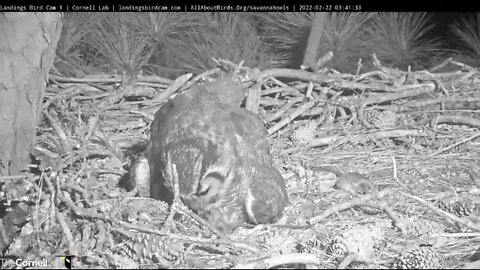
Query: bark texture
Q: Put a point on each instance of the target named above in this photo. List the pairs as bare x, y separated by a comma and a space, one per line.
27, 51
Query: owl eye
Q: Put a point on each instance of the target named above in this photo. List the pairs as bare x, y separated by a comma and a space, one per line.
210, 185
202, 189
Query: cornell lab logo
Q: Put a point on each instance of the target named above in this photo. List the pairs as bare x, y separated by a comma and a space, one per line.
22, 263
67, 261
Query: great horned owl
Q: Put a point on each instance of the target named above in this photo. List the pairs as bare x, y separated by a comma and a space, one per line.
225, 170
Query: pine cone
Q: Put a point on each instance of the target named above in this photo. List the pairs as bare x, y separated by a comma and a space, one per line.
417, 227
381, 119
145, 248
422, 257
460, 207
359, 241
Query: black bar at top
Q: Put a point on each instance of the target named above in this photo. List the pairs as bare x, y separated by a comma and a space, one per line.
266, 6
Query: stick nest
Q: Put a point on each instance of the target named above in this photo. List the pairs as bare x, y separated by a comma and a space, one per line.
414, 134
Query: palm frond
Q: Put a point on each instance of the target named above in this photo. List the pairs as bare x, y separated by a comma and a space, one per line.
73, 43
402, 39
119, 38
230, 36
342, 37
467, 31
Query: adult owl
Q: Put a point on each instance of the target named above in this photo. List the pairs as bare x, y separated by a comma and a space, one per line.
222, 157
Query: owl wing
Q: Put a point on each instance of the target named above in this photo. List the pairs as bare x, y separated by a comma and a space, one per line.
265, 192
267, 196
252, 134
186, 130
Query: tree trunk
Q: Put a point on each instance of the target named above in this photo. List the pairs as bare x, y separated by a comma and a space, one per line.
310, 57
27, 51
